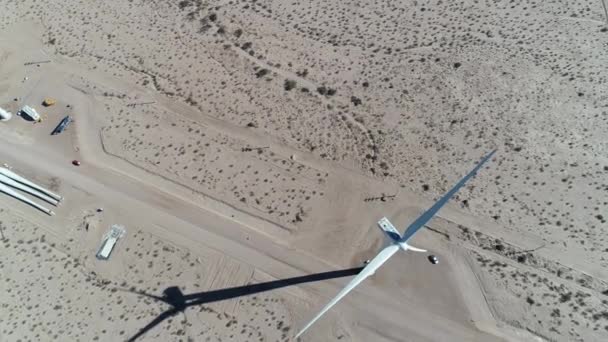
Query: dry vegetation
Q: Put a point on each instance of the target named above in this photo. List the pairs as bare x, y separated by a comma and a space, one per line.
208, 161
526, 290
546, 305
408, 91
80, 304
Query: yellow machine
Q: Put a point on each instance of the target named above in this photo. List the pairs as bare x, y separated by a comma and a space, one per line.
48, 101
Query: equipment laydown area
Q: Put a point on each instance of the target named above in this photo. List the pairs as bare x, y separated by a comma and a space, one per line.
229, 171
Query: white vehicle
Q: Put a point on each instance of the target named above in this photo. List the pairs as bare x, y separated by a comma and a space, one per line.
31, 112
106, 248
398, 241
5, 115
109, 242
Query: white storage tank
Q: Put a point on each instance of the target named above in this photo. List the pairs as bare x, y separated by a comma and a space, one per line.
5, 115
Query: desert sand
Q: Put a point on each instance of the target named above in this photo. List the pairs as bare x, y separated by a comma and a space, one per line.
248, 143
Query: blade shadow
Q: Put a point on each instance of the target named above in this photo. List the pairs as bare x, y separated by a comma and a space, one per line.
163, 316
180, 302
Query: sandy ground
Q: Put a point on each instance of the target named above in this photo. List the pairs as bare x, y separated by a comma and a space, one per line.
242, 142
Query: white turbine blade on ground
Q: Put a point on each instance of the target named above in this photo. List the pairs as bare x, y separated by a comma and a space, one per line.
9, 191
24, 181
424, 218
370, 269
13, 183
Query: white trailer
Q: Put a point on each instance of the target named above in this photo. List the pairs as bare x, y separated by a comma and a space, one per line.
106, 248
109, 242
31, 112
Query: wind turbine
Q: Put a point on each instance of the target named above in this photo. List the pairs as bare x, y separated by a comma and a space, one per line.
398, 242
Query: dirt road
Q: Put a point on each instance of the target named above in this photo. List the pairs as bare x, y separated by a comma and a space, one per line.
183, 222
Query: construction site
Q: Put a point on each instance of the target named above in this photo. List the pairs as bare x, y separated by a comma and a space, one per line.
190, 171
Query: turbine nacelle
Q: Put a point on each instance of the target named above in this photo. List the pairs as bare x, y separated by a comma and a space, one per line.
394, 236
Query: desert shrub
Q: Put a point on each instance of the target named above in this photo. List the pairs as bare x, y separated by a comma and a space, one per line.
262, 73
564, 297
522, 258
289, 85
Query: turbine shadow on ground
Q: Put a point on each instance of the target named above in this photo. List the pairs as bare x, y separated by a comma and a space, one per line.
180, 302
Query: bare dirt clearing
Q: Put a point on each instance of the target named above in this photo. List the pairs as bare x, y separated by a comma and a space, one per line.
347, 102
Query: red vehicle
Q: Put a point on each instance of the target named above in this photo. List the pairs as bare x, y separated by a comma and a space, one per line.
75, 162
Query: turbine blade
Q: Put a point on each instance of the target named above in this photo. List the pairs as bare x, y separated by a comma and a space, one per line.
424, 218
415, 249
376, 262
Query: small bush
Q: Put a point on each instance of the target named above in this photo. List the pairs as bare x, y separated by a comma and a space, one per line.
289, 85
262, 73
183, 4
522, 258
565, 297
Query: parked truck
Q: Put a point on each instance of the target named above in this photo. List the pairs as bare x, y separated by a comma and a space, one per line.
63, 124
